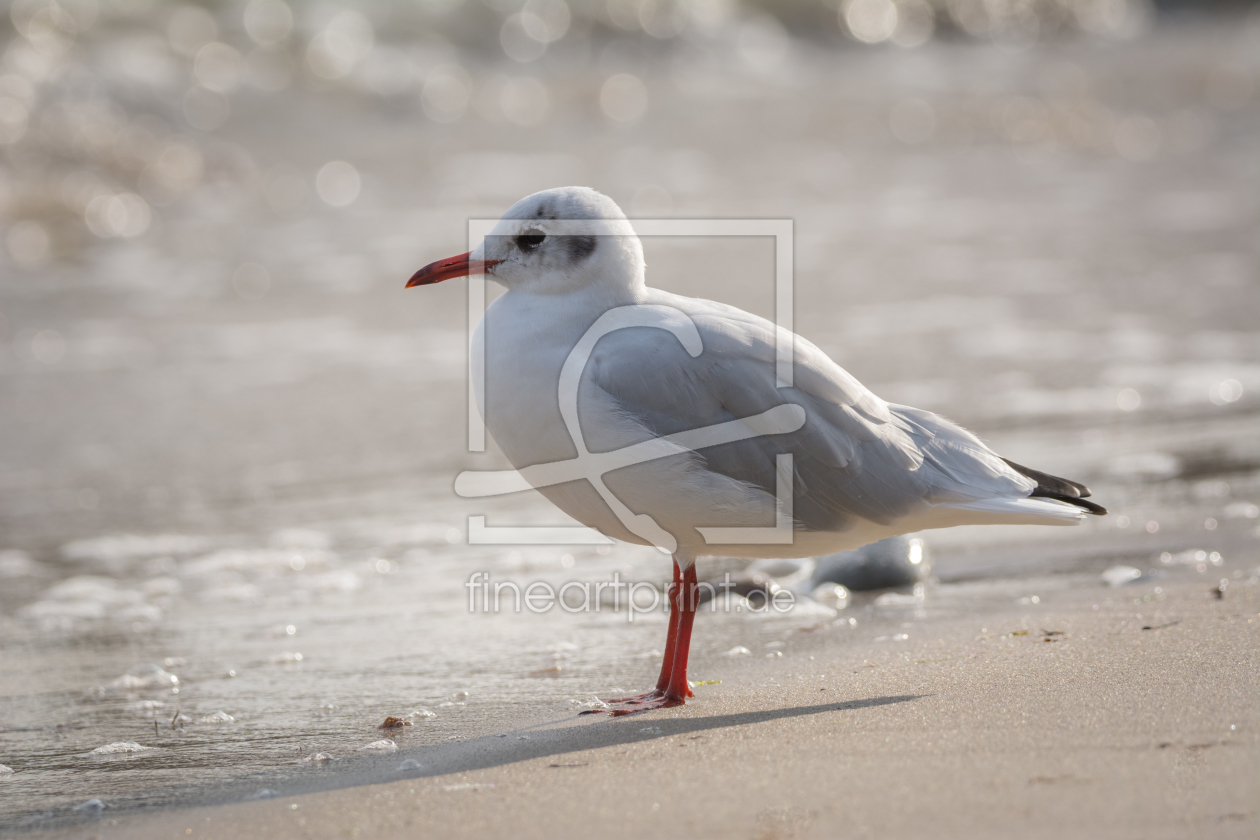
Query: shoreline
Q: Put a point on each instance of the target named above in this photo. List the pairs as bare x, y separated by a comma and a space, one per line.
1108, 719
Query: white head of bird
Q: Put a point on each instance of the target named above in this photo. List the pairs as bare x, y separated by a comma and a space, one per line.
554, 242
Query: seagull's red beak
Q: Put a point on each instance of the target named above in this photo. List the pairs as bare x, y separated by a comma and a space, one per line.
460, 266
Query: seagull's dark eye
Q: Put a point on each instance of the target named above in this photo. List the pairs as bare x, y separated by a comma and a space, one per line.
530, 239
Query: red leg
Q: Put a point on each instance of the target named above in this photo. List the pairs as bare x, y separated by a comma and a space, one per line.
672, 687
679, 688
667, 661
671, 639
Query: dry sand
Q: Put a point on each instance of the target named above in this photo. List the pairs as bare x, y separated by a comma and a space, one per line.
1131, 720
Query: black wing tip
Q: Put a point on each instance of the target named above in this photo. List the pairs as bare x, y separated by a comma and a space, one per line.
1059, 489
1065, 486
1087, 506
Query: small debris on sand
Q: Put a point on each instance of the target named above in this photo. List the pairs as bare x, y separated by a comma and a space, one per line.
392, 722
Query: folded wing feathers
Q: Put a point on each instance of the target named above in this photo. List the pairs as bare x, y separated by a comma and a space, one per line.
963, 468
852, 443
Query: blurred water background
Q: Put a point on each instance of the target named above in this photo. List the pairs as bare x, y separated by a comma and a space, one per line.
228, 437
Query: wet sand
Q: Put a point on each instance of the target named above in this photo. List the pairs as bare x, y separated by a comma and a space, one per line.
1125, 719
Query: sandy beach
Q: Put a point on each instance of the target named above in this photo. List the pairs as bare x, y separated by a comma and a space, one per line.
1121, 720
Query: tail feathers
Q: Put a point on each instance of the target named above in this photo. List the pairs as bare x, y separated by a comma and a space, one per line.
1059, 489
1009, 511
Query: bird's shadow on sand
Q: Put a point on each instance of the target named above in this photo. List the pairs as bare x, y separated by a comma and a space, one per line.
571, 734
560, 737
550, 740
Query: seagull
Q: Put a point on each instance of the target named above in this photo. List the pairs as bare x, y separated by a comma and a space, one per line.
665, 420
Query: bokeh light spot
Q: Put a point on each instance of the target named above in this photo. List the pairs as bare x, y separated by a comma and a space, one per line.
623, 98
915, 23
344, 42
869, 21
218, 67
338, 183
268, 22
1223, 393
124, 215
523, 37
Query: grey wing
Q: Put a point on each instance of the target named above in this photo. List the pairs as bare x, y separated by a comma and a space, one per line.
855, 457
